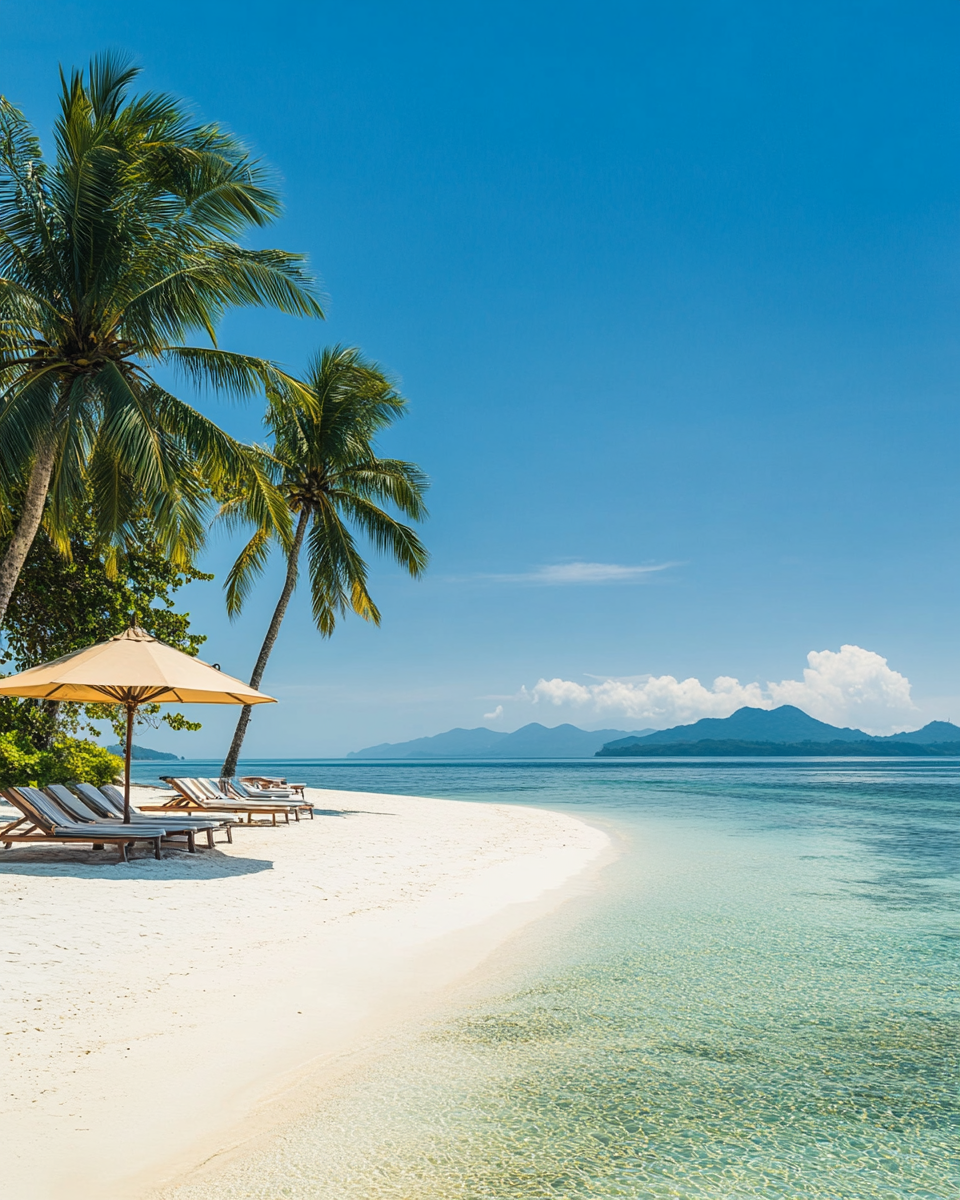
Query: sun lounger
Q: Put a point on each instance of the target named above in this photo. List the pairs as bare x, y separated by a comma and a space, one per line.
216, 793
266, 782
75, 808
88, 803
191, 797
245, 795
242, 791
226, 789
255, 791
43, 821
108, 801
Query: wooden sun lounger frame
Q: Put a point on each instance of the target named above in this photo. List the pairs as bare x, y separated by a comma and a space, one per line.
37, 828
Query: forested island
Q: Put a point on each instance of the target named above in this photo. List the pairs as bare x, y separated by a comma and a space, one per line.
732, 748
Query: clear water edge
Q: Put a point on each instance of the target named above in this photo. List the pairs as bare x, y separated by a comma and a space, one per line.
759, 1002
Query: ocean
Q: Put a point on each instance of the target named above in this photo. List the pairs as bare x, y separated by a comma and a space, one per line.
757, 999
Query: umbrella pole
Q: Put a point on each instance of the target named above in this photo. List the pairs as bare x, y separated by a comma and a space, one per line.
127, 755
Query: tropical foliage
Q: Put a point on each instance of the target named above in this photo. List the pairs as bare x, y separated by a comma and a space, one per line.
67, 602
64, 603
111, 256
67, 760
114, 255
324, 463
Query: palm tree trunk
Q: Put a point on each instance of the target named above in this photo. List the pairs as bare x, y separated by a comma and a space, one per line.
230, 765
30, 517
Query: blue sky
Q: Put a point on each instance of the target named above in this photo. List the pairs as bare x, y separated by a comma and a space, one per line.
667, 286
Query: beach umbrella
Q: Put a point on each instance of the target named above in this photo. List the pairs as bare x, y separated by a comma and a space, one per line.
131, 669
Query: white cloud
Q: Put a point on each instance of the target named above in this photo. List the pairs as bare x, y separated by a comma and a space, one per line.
560, 574
851, 686
854, 684
495, 715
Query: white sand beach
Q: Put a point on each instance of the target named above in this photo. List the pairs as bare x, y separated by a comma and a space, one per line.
154, 1014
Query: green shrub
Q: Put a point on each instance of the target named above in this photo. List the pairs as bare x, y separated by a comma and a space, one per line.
84, 761
20, 763
70, 759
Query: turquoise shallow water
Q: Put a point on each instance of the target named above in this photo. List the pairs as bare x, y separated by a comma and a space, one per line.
759, 1001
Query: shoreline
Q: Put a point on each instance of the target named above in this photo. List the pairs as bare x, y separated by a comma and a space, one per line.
160, 1016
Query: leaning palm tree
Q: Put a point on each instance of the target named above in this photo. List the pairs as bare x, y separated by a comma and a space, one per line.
110, 256
326, 468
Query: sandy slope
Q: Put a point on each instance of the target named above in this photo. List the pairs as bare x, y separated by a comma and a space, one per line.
147, 1010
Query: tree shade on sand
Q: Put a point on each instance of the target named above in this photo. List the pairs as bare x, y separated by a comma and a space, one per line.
324, 464
110, 256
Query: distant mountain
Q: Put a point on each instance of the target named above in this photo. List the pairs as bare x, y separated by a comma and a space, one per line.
532, 741
936, 731
455, 743
563, 741
783, 724
731, 747
142, 753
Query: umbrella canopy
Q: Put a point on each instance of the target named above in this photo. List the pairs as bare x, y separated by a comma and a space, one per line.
131, 669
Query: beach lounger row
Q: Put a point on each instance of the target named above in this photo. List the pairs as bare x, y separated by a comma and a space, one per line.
83, 813
59, 814
239, 792
203, 795
242, 790
107, 801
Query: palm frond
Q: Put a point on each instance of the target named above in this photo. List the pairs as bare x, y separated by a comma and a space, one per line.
27, 410
250, 564
389, 480
338, 574
68, 483
242, 374
128, 429
110, 76
387, 534
223, 463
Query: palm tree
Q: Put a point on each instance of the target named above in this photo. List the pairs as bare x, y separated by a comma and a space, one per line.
326, 467
110, 256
